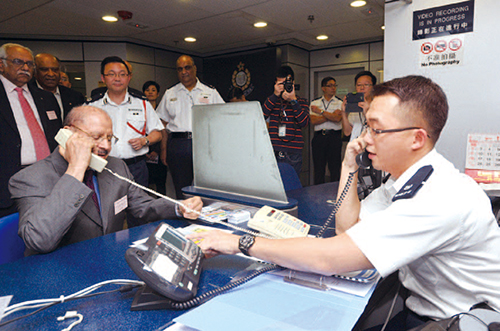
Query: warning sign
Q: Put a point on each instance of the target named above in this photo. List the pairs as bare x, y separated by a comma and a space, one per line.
440, 52
446, 20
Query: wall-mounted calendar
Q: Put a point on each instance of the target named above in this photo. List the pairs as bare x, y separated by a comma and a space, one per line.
483, 157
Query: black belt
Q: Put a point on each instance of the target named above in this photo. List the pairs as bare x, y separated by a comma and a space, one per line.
185, 135
134, 160
327, 132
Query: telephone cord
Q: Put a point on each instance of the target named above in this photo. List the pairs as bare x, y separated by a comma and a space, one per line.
202, 216
337, 205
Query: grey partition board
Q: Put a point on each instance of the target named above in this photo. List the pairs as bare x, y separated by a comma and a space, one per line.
232, 151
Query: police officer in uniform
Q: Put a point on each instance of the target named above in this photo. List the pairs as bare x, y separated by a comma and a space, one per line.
175, 109
135, 123
326, 117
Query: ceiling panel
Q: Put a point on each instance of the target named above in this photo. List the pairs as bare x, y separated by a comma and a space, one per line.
218, 25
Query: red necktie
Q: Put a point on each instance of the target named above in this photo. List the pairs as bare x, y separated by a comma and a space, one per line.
41, 147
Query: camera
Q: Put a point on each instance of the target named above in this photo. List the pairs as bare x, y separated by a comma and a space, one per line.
288, 85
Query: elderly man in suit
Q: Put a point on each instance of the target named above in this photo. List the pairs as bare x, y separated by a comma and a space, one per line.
29, 118
62, 201
48, 76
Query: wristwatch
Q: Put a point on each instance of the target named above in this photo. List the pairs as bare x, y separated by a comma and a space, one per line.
147, 141
294, 102
246, 241
322, 111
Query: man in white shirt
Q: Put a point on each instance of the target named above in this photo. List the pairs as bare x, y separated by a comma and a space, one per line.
29, 118
327, 141
175, 110
135, 122
429, 221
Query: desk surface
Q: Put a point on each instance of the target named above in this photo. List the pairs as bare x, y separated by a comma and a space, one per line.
75, 267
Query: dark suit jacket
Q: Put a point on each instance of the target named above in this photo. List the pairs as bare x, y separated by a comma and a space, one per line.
10, 140
56, 209
70, 99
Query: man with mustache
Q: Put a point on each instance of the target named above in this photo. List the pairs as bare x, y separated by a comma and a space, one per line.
29, 118
62, 201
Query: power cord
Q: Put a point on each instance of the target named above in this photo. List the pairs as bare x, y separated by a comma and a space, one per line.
43, 304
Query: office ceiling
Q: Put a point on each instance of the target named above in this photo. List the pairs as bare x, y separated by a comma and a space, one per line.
218, 25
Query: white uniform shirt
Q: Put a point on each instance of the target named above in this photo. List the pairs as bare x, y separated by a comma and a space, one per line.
175, 106
444, 240
327, 106
357, 120
131, 111
28, 154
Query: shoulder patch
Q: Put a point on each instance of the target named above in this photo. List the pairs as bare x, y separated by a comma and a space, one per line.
137, 94
415, 183
316, 99
95, 97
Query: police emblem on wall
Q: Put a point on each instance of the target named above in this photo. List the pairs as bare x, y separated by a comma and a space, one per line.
241, 79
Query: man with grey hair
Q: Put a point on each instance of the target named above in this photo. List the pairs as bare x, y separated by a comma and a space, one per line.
29, 118
62, 200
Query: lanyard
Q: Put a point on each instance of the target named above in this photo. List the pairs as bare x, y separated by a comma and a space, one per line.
143, 131
328, 105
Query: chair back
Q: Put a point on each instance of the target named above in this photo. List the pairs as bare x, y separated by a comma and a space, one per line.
291, 180
11, 245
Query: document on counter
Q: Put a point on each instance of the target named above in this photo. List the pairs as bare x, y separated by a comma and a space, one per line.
268, 303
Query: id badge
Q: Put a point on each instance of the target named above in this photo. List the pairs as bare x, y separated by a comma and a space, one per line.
282, 131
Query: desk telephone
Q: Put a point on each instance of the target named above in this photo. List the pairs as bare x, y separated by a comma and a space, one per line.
169, 264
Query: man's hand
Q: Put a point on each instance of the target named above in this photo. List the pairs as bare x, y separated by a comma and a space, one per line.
354, 148
137, 143
279, 87
77, 152
194, 203
316, 109
213, 243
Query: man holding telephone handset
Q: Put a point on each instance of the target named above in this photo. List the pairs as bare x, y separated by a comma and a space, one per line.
428, 221
62, 201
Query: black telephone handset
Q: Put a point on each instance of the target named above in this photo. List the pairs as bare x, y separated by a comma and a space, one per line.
363, 160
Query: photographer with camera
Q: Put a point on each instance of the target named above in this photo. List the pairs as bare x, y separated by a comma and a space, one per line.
288, 115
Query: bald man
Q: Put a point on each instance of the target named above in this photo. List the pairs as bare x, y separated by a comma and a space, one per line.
58, 205
175, 110
48, 76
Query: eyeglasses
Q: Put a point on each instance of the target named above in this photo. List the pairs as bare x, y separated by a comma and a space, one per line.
375, 132
114, 75
187, 68
364, 85
20, 63
330, 85
98, 140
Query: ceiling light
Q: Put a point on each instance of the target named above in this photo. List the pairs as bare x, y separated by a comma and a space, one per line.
190, 39
109, 18
322, 37
358, 3
260, 24
77, 78
383, 27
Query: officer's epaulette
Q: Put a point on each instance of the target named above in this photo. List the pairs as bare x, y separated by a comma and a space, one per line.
316, 99
137, 94
96, 97
339, 98
411, 187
